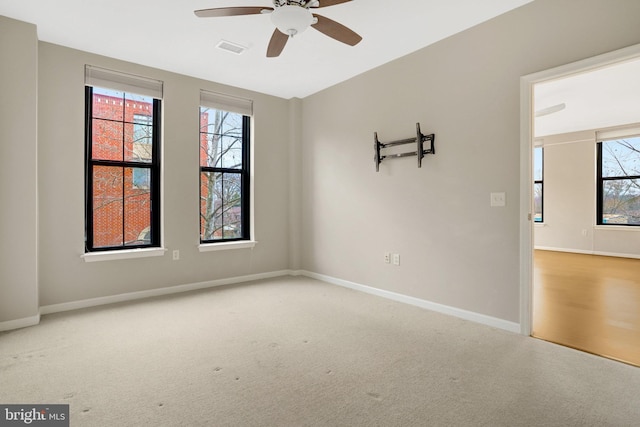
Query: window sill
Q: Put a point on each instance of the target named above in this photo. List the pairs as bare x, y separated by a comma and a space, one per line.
539, 224
124, 254
209, 247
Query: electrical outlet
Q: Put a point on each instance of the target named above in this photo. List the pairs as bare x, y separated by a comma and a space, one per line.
387, 258
396, 259
176, 255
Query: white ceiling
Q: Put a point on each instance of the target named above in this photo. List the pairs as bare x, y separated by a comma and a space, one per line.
166, 34
598, 99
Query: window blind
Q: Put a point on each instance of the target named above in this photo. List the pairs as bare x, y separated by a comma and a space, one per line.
109, 79
226, 102
618, 133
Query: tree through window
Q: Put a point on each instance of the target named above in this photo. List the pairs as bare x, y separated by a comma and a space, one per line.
224, 175
619, 181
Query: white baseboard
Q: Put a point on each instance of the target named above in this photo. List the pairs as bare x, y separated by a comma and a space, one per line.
635, 256
440, 308
19, 323
130, 296
552, 249
580, 251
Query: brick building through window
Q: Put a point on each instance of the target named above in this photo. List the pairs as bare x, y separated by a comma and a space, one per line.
121, 151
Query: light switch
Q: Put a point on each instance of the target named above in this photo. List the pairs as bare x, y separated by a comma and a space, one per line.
498, 199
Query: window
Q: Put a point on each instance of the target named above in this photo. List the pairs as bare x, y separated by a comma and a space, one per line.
224, 168
538, 176
619, 181
122, 162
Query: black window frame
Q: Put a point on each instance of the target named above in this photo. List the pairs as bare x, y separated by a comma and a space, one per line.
600, 186
154, 184
245, 181
541, 182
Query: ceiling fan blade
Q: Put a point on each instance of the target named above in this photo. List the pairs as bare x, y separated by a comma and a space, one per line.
231, 11
335, 30
550, 110
326, 3
277, 43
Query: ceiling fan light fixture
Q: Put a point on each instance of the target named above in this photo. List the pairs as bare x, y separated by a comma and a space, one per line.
291, 20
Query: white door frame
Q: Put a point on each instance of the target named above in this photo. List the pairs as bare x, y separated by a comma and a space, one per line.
526, 164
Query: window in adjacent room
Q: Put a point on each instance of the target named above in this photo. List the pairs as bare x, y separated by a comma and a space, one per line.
619, 181
122, 161
538, 184
224, 168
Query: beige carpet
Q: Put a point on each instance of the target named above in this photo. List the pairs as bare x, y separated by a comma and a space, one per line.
298, 352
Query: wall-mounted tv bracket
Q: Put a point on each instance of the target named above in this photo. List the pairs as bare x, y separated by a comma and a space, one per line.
420, 139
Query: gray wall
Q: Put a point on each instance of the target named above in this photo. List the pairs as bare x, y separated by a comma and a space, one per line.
64, 276
18, 168
455, 249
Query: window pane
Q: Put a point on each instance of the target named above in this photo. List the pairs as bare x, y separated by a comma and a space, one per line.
108, 104
107, 206
140, 178
220, 139
204, 137
537, 202
138, 128
232, 213
208, 149
220, 206
220, 122
210, 206
537, 164
142, 129
137, 104
137, 206
621, 157
138, 138
621, 201
107, 140
139, 141
230, 152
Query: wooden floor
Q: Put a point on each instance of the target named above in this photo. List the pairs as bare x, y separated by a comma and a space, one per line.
588, 302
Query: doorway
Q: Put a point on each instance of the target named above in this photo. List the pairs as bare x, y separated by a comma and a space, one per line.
528, 109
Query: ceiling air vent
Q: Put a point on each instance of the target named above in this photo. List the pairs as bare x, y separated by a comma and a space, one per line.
231, 47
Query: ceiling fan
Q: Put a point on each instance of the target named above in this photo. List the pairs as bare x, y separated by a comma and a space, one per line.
291, 17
